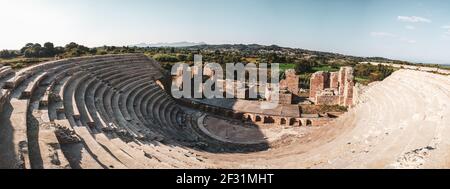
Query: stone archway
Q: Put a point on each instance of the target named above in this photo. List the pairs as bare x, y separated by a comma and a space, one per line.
258, 118
268, 120
248, 117
283, 121
292, 121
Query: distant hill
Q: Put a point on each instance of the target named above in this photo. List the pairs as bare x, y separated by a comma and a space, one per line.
174, 44
256, 49
252, 48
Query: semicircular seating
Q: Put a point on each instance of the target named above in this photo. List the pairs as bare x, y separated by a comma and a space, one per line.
93, 112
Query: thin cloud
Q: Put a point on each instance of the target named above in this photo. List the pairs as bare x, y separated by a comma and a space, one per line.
392, 36
446, 34
382, 34
413, 19
446, 37
409, 27
410, 41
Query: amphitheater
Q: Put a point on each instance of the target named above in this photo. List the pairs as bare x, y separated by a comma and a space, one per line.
111, 111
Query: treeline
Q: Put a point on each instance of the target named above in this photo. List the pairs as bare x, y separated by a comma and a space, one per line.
173, 58
305, 61
211, 53
9, 54
222, 57
48, 50
371, 73
36, 50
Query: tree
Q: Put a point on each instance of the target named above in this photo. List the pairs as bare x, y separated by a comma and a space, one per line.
190, 57
73, 50
303, 66
59, 50
71, 45
182, 57
32, 50
8, 54
49, 50
49, 46
373, 73
27, 46
35, 50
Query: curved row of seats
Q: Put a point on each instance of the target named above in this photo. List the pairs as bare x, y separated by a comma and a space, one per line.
93, 112
5, 74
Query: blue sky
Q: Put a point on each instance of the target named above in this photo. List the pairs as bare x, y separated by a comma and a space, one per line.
414, 30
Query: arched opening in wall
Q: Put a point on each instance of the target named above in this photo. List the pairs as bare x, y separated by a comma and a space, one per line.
283, 121
249, 117
292, 121
299, 123
308, 122
258, 118
269, 120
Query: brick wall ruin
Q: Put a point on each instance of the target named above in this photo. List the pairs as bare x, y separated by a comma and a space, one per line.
291, 82
335, 88
285, 97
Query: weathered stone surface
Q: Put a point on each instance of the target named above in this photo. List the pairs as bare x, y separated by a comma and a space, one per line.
66, 135
327, 100
318, 83
334, 88
292, 81
285, 98
334, 80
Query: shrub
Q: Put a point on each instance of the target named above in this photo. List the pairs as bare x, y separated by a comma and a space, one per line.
165, 58
17, 66
372, 73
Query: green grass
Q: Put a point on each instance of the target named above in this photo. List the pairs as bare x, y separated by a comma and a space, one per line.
364, 81
21, 62
251, 59
325, 68
284, 67
304, 77
446, 67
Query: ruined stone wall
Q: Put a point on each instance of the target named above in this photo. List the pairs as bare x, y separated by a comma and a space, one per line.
320, 121
334, 80
347, 88
341, 83
327, 100
318, 83
285, 98
292, 81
